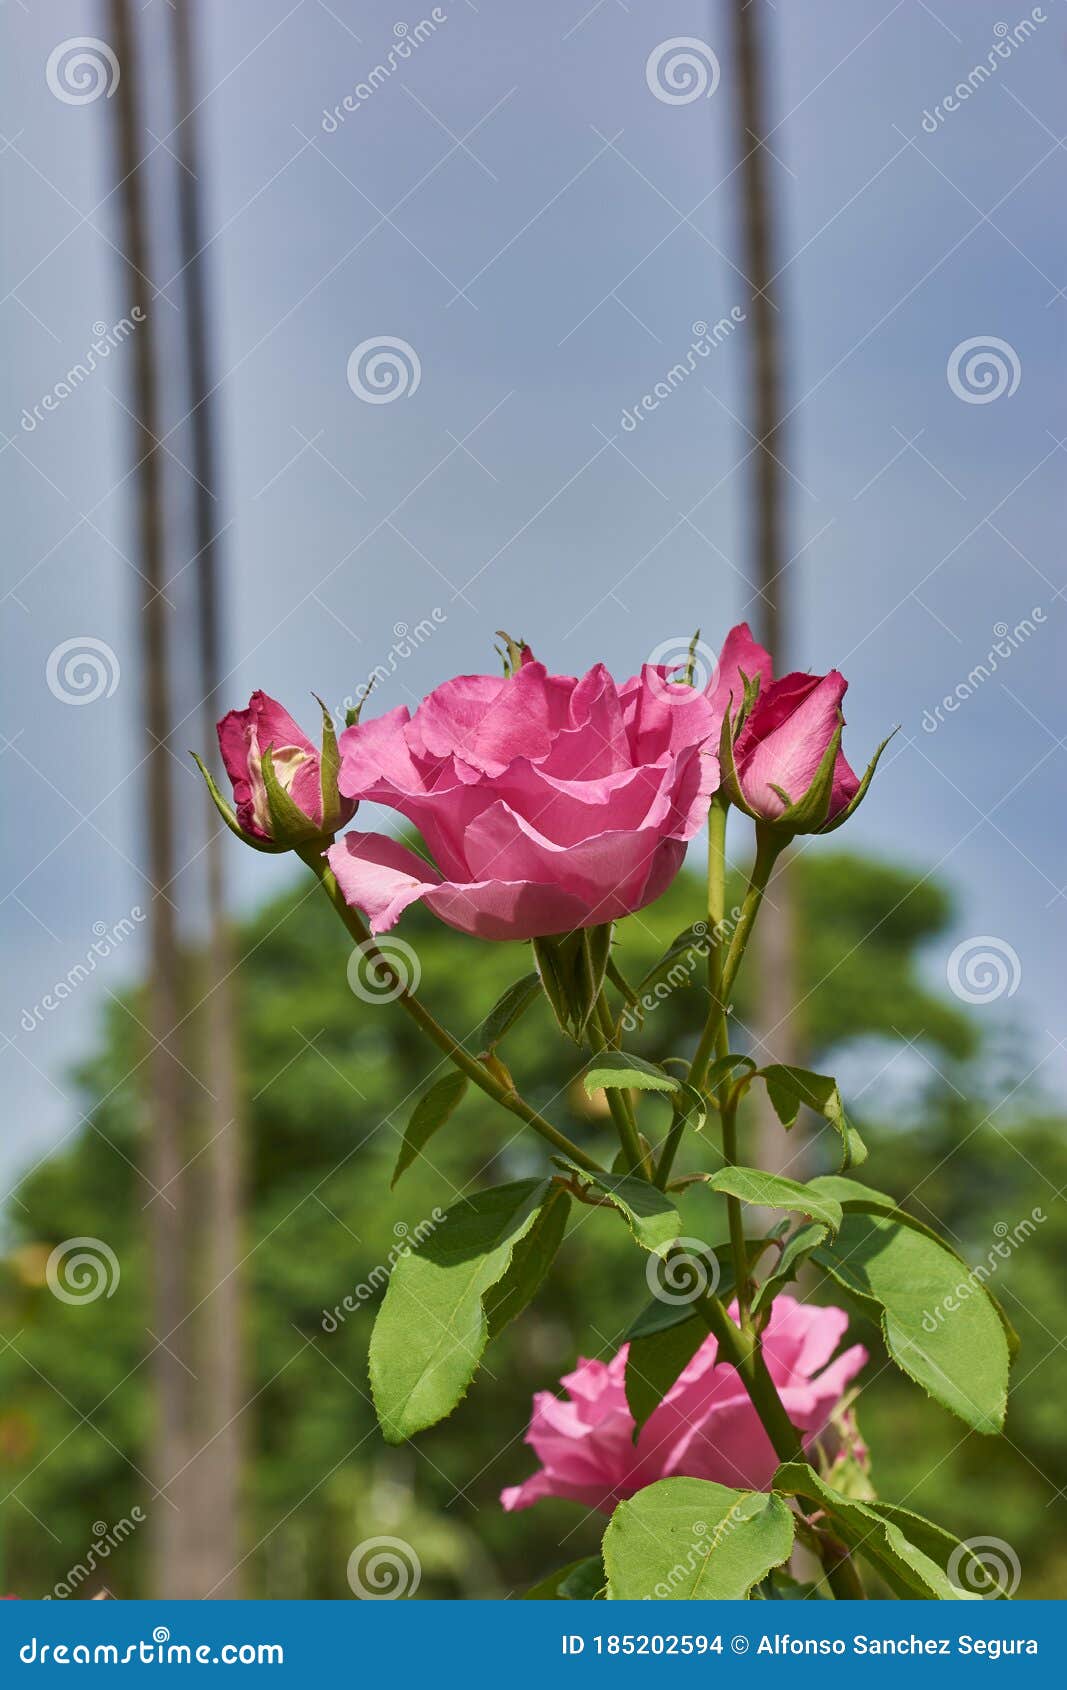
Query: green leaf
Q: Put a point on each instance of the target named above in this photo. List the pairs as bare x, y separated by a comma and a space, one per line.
689, 1539
530, 1261
862, 1199
649, 1212
654, 1363
788, 1088
433, 1326
792, 1259
678, 966
619, 1068
432, 1111
966, 1570
578, 1581
507, 1009
773, 1191
955, 1349
889, 1548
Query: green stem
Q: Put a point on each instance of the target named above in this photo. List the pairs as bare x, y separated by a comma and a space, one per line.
602, 1037
506, 1096
743, 1351
734, 1212
714, 1036
768, 850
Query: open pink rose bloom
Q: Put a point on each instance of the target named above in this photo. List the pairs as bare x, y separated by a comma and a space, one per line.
547, 803
705, 1427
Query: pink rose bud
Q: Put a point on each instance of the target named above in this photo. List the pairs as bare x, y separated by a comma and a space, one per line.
284, 790
547, 804
705, 1427
786, 768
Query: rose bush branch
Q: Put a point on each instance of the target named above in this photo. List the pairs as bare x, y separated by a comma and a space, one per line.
549, 807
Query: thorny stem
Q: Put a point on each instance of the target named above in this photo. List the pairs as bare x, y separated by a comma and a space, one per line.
505, 1095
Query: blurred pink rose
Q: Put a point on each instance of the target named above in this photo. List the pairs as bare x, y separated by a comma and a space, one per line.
705, 1427
784, 740
244, 735
547, 803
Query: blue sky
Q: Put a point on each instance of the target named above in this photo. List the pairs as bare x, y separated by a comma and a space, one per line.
516, 204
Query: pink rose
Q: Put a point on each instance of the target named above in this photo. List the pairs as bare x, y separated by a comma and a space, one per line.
779, 756
705, 1427
547, 803
244, 736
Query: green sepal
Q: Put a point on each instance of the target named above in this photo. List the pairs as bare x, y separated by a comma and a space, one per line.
572, 968
229, 815
861, 791
329, 769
